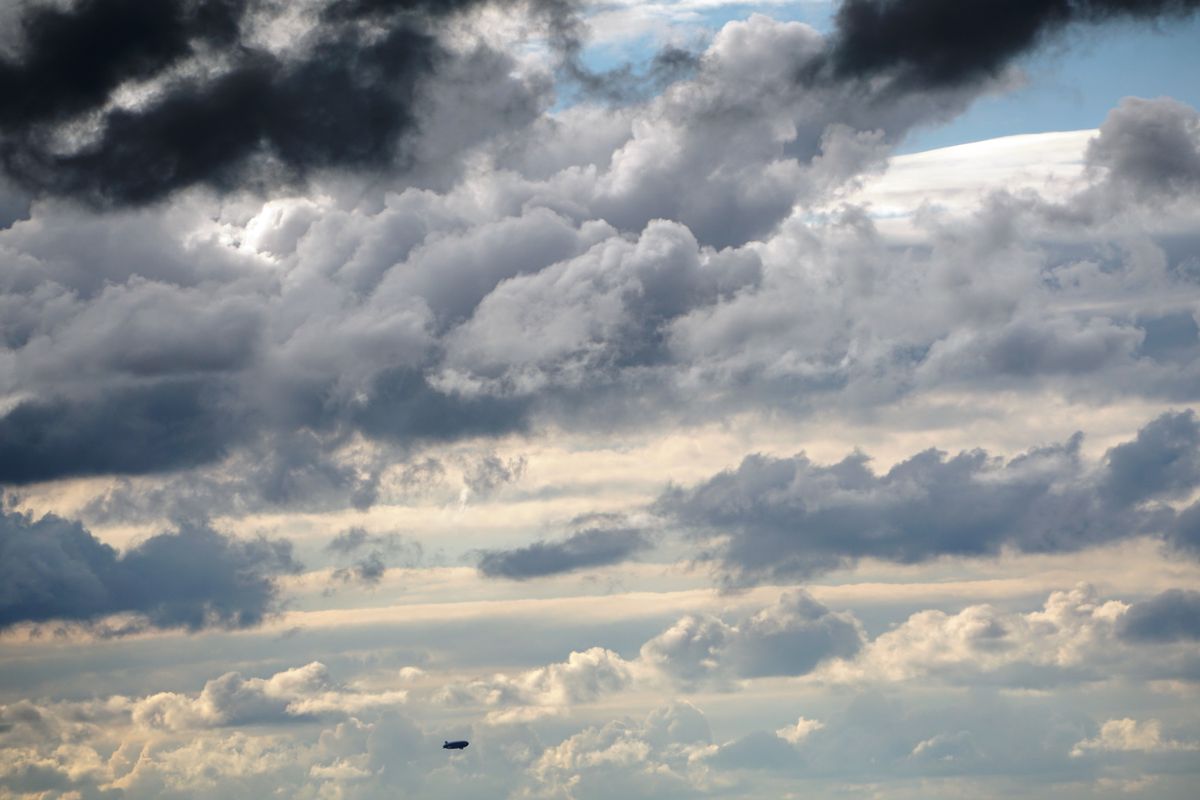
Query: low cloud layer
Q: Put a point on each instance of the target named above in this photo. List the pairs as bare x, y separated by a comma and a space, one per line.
785, 518
192, 578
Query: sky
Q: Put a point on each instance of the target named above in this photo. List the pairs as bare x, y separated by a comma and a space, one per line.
687, 399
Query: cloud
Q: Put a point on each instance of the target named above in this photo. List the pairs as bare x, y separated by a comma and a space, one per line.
167, 425
627, 758
1148, 149
791, 637
684, 259
369, 567
1076, 637
294, 695
588, 548
491, 472
584, 677
923, 44
778, 518
193, 578
800, 731
218, 106
1171, 616
1126, 735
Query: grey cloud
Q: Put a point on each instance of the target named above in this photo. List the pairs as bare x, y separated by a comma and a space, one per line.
794, 635
1148, 149
491, 472
791, 637
158, 427
591, 547
301, 471
1169, 338
369, 567
1171, 616
779, 518
604, 309
1163, 461
193, 578
349, 540
1184, 534
224, 332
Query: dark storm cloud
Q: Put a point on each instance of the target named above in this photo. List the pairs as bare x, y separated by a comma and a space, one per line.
780, 518
159, 427
346, 101
192, 578
930, 44
1169, 617
72, 58
593, 547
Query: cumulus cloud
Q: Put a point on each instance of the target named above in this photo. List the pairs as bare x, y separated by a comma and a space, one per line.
775, 518
606, 269
790, 637
1171, 616
584, 677
294, 695
191, 578
1124, 735
1077, 636
654, 757
1148, 149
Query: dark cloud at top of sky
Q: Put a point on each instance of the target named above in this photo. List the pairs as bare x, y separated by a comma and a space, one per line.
592, 547
1169, 617
346, 101
72, 58
781, 518
192, 578
929, 44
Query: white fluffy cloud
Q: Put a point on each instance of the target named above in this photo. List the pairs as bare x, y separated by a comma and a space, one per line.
1077, 636
1129, 735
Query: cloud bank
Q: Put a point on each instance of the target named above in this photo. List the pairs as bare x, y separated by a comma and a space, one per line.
191, 578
